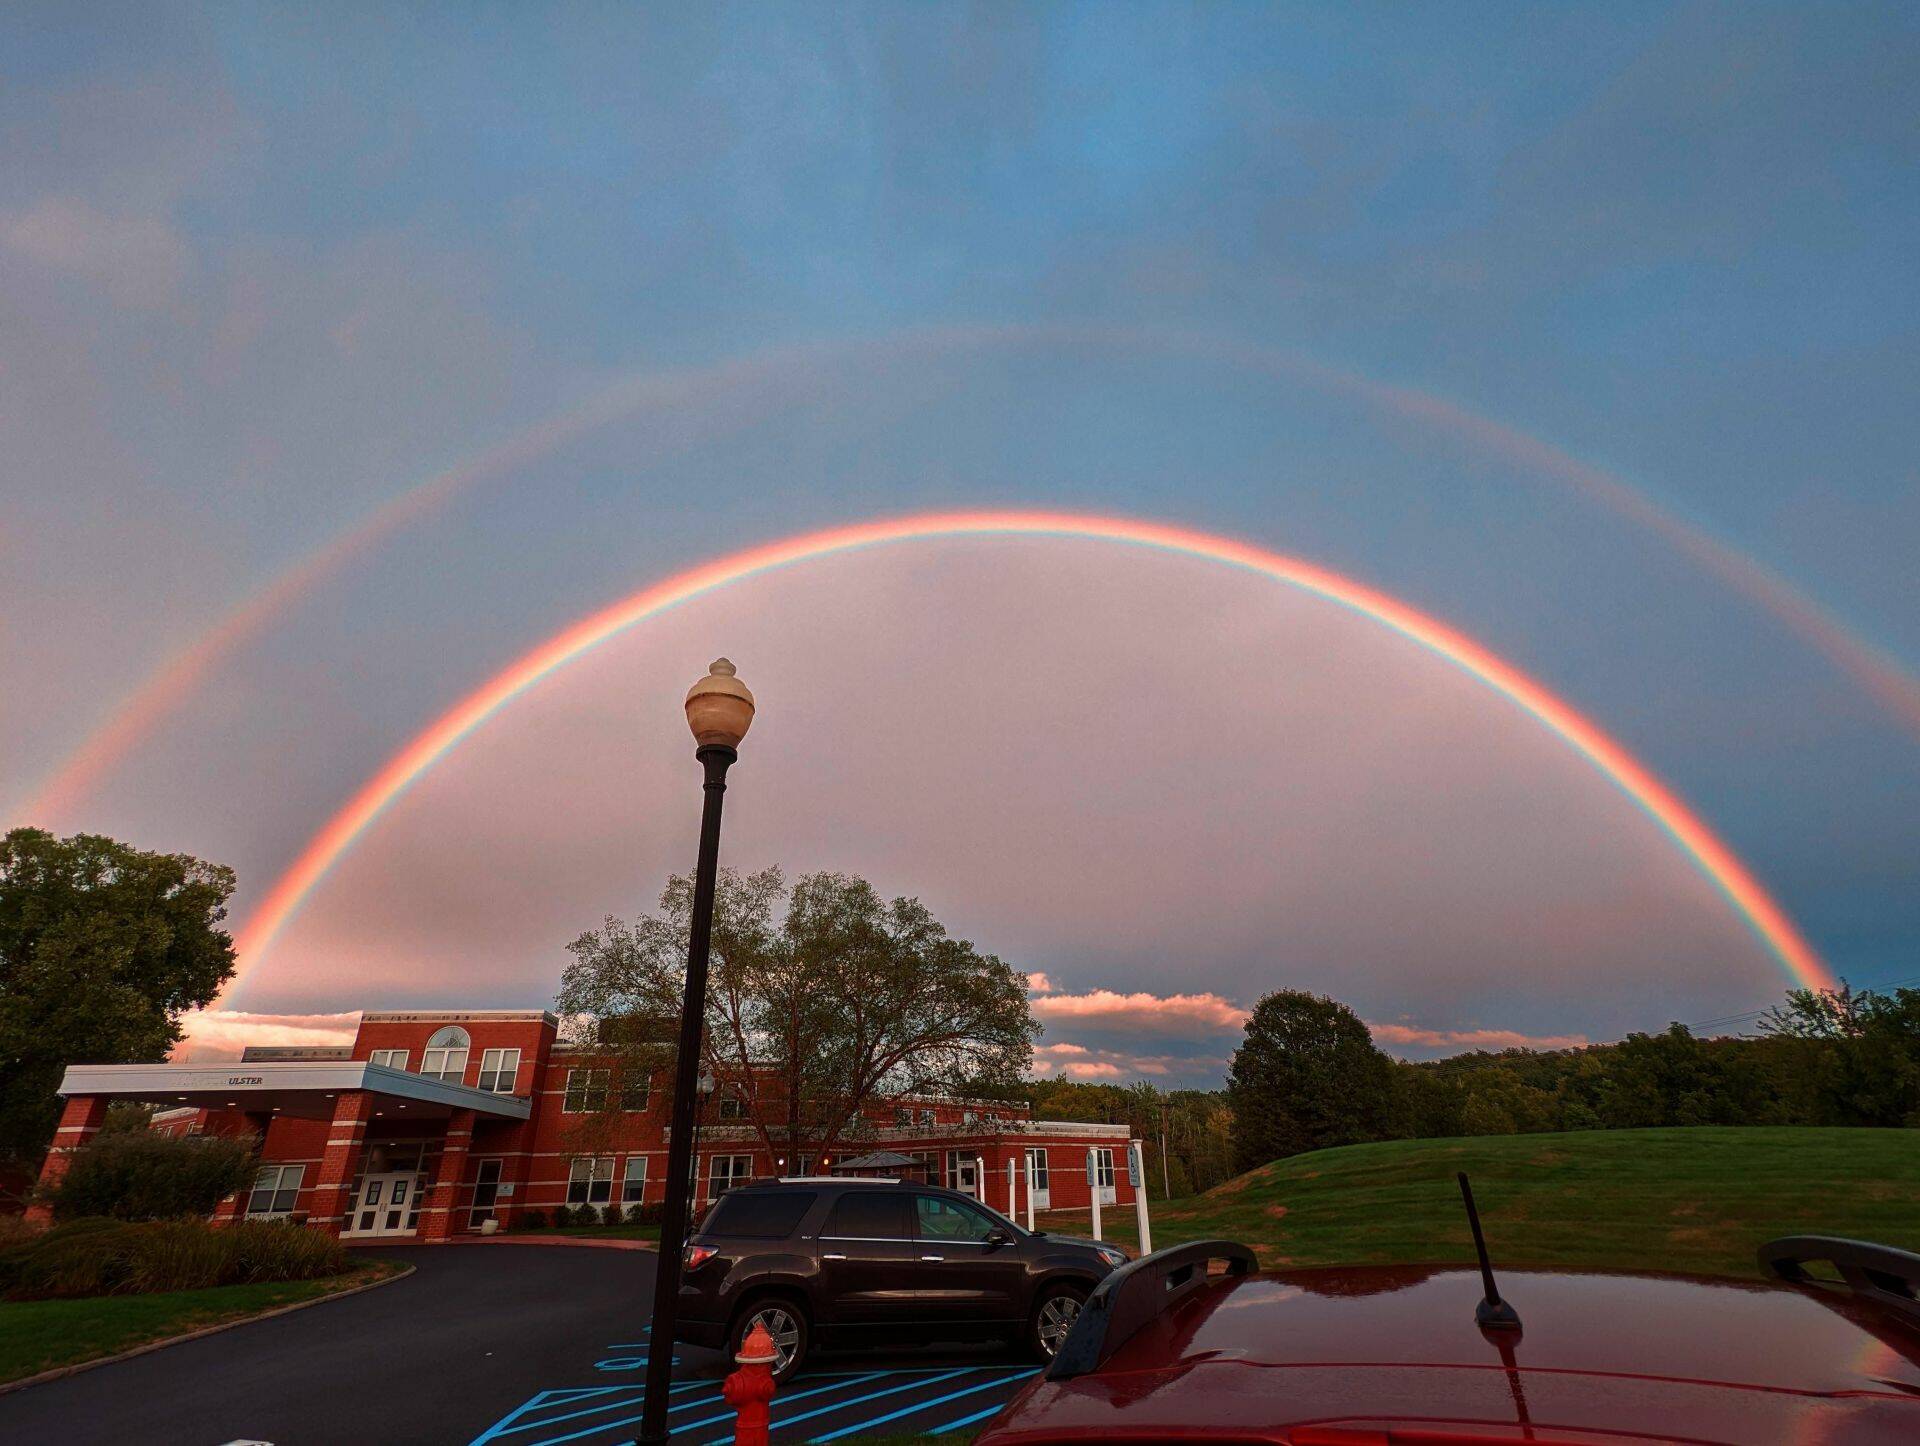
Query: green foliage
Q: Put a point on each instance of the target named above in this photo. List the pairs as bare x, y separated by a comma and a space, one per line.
1197, 1126
154, 1177
1308, 1076
531, 1220
102, 948
96, 1256
822, 997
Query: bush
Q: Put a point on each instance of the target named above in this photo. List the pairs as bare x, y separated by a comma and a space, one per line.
128, 1176
611, 1215
533, 1220
97, 1256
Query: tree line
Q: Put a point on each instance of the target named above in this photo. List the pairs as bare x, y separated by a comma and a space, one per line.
1308, 1076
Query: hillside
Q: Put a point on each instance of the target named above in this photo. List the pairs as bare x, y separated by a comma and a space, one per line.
1669, 1199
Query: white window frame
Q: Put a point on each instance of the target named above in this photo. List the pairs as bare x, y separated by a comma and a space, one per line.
732, 1104
739, 1170
638, 1085
1039, 1176
389, 1058
584, 1087
483, 1176
590, 1180
287, 1180
633, 1189
1103, 1174
497, 1075
446, 1060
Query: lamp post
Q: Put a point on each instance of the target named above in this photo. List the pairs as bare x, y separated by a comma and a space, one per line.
719, 711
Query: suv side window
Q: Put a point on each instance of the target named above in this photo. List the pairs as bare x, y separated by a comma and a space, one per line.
940, 1218
759, 1214
870, 1215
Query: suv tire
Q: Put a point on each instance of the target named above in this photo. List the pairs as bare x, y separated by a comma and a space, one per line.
786, 1321
1055, 1309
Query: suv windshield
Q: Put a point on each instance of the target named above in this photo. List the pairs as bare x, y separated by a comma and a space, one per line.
759, 1214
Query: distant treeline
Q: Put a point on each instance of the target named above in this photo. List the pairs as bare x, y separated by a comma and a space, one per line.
1309, 1076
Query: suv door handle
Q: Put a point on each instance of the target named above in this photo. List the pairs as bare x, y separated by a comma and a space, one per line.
831, 1256
933, 1257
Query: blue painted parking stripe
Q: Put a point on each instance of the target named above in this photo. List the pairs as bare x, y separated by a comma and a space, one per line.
837, 1405
918, 1406
603, 1405
709, 1421
966, 1421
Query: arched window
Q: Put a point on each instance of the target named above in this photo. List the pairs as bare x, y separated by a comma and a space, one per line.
445, 1056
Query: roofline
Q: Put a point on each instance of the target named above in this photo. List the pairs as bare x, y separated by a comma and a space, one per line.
453, 1016
324, 1076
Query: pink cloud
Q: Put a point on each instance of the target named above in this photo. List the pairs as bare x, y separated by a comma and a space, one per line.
223, 1033
1142, 1011
1092, 1069
1038, 983
1473, 1038
1056, 1050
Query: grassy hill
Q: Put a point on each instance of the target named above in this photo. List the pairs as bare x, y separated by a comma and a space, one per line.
1674, 1199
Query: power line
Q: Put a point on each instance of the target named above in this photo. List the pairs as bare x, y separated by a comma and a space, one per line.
1753, 1014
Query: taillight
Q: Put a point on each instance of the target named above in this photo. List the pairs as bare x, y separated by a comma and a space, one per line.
696, 1256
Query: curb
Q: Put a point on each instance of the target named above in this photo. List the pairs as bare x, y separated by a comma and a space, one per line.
575, 1240
6, 1387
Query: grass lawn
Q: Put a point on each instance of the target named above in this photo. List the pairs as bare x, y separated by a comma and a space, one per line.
37, 1335
1676, 1199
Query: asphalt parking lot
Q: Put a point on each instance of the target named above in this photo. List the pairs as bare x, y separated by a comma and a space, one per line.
485, 1344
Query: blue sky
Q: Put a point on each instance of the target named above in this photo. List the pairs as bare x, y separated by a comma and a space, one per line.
263, 268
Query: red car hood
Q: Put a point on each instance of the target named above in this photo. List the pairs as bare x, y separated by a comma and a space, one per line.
1315, 1358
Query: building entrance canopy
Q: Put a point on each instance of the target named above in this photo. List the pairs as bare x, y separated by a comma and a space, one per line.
299, 1089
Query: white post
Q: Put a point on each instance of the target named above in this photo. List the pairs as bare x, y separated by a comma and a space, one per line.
1137, 1177
1093, 1191
1013, 1192
1026, 1163
980, 1178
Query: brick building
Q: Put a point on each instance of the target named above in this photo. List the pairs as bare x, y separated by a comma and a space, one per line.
434, 1121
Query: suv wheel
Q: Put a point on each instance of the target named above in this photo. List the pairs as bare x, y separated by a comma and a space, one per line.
785, 1321
1054, 1313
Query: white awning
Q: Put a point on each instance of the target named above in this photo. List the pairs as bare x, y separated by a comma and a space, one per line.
299, 1088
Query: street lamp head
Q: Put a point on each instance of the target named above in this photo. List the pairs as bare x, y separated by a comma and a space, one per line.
719, 707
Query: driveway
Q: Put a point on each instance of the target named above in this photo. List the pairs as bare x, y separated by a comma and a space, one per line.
508, 1344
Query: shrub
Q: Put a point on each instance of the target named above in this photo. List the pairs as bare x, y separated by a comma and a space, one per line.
97, 1256
533, 1220
611, 1215
128, 1176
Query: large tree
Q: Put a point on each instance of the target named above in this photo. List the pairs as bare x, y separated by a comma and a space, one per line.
102, 948
821, 998
1307, 1077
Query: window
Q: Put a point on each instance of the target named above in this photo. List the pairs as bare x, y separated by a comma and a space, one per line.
939, 1218
590, 1182
926, 1119
925, 1168
803, 1164
759, 1214
636, 1088
275, 1190
586, 1091
391, 1058
726, 1171
1037, 1170
870, 1215
962, 1171
733, 1104
498, 1070
633, 1183
902, 1116
445, 1056
1103, 1175
486, 1190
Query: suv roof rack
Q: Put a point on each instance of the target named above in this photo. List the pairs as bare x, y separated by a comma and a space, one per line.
1134, 1294
1878, 1273
830, 1180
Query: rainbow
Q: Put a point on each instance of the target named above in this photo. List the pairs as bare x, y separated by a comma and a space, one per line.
1765, 917
671, 392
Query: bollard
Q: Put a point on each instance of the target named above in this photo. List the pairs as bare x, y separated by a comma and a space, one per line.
749, 1390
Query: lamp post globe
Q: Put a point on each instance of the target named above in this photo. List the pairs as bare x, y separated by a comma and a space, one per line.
719, 711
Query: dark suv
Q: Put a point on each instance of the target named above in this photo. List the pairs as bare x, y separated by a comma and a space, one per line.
851, 1262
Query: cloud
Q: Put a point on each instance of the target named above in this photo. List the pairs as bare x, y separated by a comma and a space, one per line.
141, 261
1038, 983
1408, 1034
1141, 1011
223, 1033
1079, 1061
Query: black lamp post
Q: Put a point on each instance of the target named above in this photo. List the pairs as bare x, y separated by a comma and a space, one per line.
719, 711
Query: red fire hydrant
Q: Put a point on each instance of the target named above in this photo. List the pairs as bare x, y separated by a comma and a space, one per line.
749, 1390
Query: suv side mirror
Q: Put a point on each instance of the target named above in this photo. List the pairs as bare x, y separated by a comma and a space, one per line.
997, 1236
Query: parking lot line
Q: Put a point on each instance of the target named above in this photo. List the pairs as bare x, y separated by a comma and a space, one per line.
918, 1406
966, 1421
829, 1409
595, 1409
703, 1401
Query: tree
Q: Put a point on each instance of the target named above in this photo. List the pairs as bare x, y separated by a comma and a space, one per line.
155, 1177
102, 948
1308, 1076
821, 999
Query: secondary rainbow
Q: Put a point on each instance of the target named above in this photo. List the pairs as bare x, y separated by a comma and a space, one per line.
1768, 921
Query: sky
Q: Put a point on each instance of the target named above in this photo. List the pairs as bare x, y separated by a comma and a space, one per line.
346, 356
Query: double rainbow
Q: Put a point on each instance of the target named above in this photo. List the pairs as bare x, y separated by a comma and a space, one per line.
1709, 854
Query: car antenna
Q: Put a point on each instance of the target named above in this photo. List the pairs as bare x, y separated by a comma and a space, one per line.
1493, 1313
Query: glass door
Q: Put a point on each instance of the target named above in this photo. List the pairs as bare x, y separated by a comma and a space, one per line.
386, 1204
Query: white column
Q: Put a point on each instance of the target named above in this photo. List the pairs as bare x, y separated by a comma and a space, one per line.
980, 1178
1013, 1191
1026, 1164
1093, 1191
1137, 1177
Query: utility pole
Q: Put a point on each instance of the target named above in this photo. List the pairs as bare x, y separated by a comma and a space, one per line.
1166, 1180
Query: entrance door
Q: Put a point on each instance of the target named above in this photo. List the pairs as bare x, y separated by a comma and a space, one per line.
1039, 1180
387, 1204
